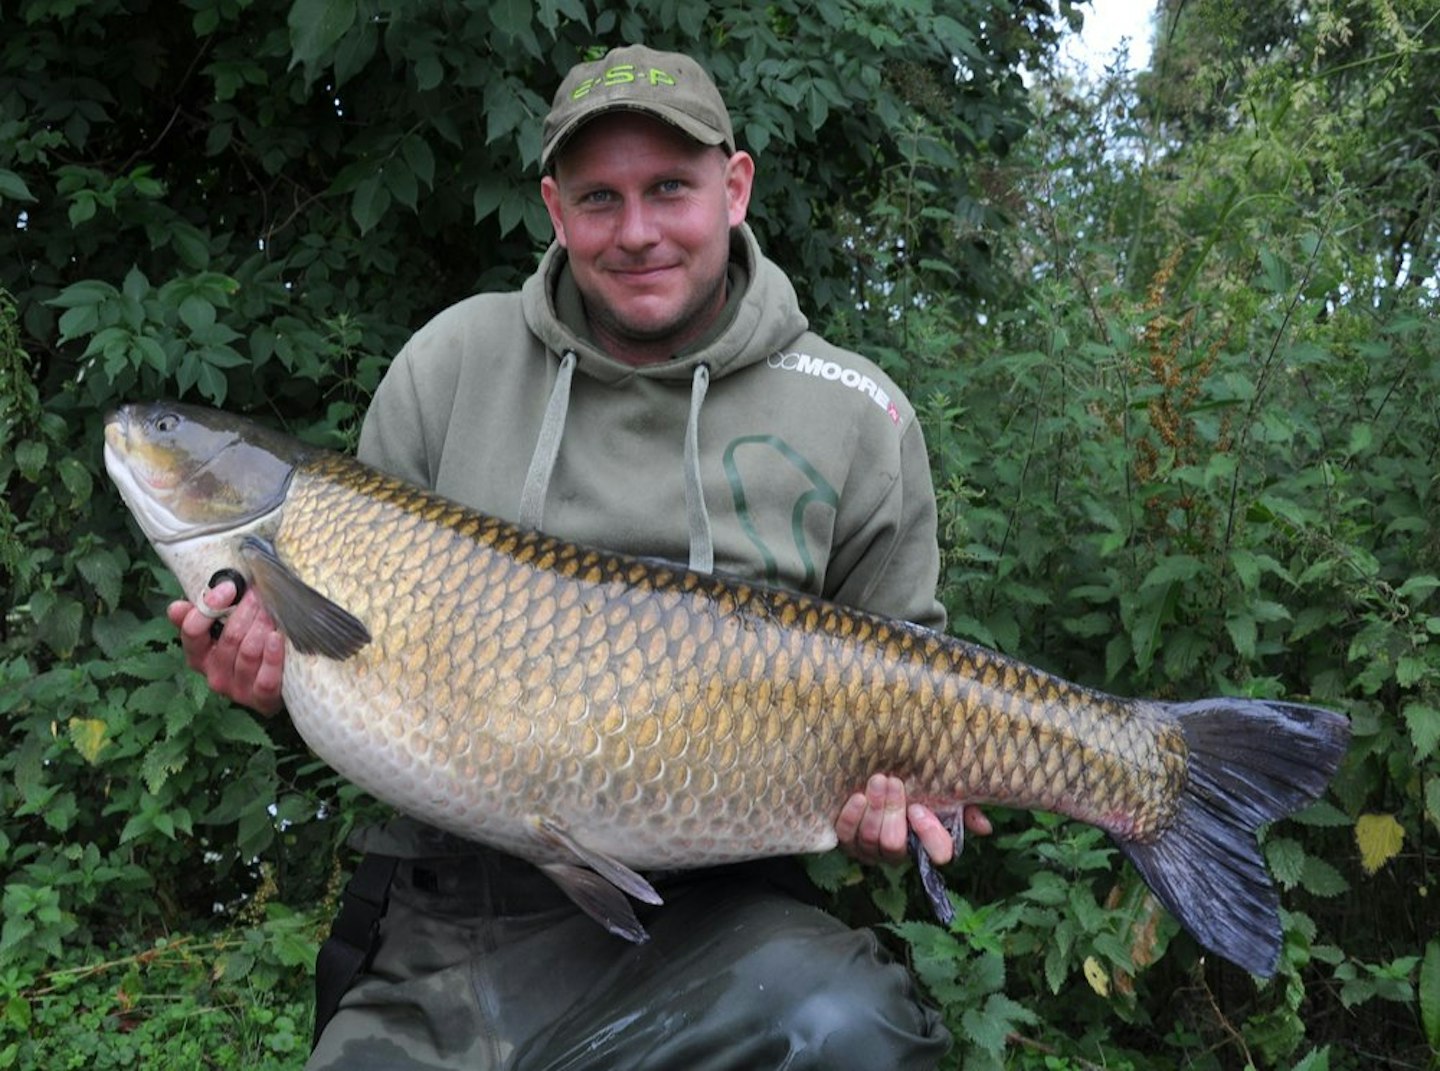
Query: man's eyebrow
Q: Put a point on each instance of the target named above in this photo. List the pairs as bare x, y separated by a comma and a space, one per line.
687, 170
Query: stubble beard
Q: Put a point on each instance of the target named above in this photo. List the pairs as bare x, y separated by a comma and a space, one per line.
686, 325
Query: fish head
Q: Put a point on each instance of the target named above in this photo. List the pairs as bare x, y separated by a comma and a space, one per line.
197, 482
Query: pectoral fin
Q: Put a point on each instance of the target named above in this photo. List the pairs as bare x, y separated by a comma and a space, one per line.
311, 622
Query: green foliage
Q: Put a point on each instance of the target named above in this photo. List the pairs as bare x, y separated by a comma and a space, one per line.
240, 1000
1175, 348
1189, 448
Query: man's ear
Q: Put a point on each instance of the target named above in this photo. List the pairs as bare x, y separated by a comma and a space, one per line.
739, 180
550, 194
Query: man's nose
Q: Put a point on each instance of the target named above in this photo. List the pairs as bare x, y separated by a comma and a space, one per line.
637, 226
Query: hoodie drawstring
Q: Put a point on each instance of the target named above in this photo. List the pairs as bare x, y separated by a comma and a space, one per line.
702, 545
547, 448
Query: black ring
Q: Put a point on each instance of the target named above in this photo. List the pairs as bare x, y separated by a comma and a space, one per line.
231, 575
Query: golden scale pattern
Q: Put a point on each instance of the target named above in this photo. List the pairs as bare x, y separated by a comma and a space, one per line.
732, 719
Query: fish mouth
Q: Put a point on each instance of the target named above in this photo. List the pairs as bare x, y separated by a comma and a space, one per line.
122, 452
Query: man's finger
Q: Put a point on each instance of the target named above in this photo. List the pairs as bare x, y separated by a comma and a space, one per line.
847, 825
939, 845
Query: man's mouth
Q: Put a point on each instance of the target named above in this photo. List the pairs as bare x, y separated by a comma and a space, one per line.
642, 275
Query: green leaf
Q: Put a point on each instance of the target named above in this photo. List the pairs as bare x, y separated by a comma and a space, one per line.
212, 384
1430, 995
370, 202
1322, 879
85, 292
1242, 632
58, 623
82, 208
1423, 722
400, 181
511, 16
429, 72
817, 108
1417, 587
1177, 568
489, 191
233, 723
101, 569
31, 457
1315, 1060
315, 27
1362, 437
1322, 814
152, 353
417, 154
832, 870
890, 899
1411, 669
1247, 568
196, 312
191, 244
13, 187
162, 760
1287, 860
990, 1027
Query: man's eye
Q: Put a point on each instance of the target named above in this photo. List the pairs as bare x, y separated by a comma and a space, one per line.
671, 186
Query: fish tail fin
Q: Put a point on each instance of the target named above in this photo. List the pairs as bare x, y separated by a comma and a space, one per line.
1251, 762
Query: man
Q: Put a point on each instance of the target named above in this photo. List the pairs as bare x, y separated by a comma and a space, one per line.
653, 388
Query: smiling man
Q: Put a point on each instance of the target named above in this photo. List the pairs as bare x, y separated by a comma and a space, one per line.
654, 388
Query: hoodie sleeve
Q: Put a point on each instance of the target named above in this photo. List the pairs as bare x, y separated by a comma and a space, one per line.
890, 564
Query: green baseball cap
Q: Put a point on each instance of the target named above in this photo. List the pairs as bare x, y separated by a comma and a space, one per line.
667, 85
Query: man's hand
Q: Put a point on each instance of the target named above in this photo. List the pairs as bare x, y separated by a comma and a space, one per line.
873, 825
247, 662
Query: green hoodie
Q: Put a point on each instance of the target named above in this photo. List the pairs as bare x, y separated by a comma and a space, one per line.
805, 466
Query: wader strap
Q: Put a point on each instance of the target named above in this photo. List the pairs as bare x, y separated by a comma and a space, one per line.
353, 936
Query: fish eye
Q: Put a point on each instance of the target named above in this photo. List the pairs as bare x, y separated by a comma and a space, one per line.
167, 422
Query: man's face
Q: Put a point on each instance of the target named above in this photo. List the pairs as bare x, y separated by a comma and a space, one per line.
645, 214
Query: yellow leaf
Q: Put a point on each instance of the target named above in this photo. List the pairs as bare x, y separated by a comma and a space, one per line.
1096, 976
89, 735
1380, 838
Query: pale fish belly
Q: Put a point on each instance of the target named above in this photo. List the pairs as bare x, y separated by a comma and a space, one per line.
644, 807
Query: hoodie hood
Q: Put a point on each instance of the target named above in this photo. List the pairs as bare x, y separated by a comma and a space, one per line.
761, 316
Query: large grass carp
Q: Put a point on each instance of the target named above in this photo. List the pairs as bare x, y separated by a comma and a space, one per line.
602, 715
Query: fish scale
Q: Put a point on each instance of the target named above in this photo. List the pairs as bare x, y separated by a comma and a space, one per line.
638, 672
602, 715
